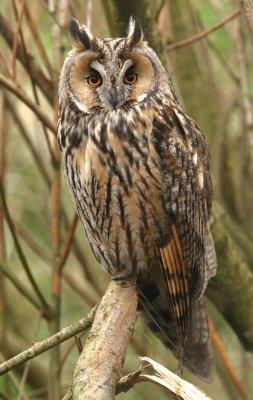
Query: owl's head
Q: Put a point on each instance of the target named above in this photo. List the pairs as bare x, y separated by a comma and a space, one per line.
109, 74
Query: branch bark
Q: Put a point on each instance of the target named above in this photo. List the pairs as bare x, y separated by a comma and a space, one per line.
99, 366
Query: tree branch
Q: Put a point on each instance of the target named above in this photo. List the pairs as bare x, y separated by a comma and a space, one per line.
203, 34
246, 7
26, 137
49, 343
21, 288
8, 84
226, 361
69, 241
99, 366
37, 75
44, 305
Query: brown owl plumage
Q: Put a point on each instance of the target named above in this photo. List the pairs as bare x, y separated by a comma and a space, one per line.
138, 168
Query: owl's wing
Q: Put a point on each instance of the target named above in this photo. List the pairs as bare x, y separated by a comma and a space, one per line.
176, 278
186, 257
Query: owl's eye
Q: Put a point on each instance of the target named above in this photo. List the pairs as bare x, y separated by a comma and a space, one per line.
94, 80
130, 77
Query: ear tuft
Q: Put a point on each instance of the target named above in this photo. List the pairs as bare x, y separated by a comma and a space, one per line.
80, 35
134, 33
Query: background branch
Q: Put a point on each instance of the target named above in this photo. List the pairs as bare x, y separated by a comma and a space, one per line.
42, 300
49, 343
204, 34
12, 87
37, 74
246, 7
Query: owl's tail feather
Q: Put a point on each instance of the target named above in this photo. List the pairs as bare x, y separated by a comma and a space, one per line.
195, 353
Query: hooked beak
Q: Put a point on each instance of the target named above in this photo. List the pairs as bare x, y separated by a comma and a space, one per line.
114, 100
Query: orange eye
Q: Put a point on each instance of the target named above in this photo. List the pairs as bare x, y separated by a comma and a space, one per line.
94, 80
130, 78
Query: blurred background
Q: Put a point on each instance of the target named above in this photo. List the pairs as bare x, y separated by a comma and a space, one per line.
45, 260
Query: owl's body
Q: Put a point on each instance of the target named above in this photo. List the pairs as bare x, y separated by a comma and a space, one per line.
138, 169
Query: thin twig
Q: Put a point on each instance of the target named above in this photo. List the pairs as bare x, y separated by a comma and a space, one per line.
29, 71
37, 249
88, 13
25, 135
5, 63
56, 277
89, 299
79, 345
45, 306
34, 31
15, 42
247, 116
81, 257
76, 248
224, 63
159, 10
128, 381
60, 8
36, 73
63, 13
28, 364
226, 362
209, 70
203, 34
3, 396
247, 12
29, 239
49, 343
20, 287
32, 243
52, 15
69, 241
4, 304
12, 377
67, 353
12, 87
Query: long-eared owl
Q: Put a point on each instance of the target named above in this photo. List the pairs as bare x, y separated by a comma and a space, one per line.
138, 169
